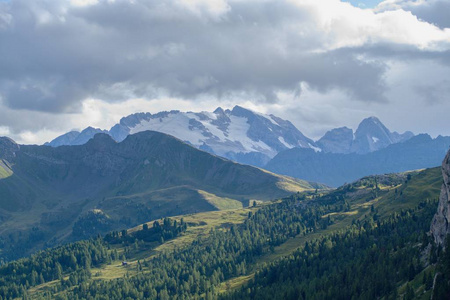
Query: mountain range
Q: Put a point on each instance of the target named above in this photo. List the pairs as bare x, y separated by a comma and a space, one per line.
335, 169
243, 135
266, 141
51, 194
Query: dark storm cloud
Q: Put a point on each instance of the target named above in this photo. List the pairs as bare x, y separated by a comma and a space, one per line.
54, 55
435, 94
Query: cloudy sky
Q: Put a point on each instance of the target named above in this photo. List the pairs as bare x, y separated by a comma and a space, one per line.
321, 64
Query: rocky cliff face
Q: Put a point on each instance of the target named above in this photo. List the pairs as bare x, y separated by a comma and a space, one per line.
440, 224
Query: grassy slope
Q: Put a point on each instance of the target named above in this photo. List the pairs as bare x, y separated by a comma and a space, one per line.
221, 203
200, 224
294, 185
423, 185
5, 171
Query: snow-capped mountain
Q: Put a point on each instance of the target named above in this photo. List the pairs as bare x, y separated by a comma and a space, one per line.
370, 136
238, 134
243, 135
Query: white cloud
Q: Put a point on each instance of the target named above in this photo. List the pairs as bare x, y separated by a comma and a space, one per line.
431, 11
71, 64
209, 8
83, 2
342, 25
4, 130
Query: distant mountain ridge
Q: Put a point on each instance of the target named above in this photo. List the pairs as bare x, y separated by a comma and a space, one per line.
75, 138
371, 135
243, 135
335, 169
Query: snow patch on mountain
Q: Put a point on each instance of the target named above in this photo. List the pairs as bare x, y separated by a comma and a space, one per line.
316, 149
281, 139
175, 124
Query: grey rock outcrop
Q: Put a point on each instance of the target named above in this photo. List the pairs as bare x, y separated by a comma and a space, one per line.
8, 149
440, 224
338, 140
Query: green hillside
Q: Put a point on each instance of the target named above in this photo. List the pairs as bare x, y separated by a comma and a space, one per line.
231, 254
46, 193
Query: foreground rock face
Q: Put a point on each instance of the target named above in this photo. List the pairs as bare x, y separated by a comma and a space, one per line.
440, 224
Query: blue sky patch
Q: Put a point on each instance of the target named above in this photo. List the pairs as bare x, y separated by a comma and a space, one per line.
364, 4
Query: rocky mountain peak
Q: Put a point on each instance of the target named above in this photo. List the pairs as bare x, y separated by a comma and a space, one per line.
219, 111
372, 135
338, 140
239, 111
371, 120
372, 127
